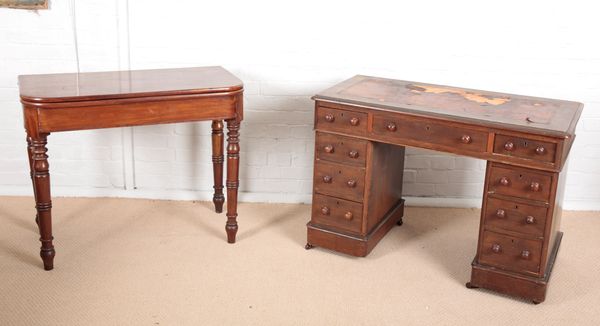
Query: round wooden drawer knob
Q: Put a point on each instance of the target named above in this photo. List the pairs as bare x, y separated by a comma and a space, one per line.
354, 121
348, 216
529, 219
466, 139
353, 154
540, 150
391, 127
325, 210
351, 183
509, 146
504, 181
535, 186
501, 213
328, 149
327, 179
525, 254
329, 117
496, 248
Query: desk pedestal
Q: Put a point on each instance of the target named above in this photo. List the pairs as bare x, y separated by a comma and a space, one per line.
359, 162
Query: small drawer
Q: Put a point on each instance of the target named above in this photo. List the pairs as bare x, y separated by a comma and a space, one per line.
344, 121
337, 213
339, 180
419, 130
525, 148
519, 182
517, 217
341, 149
510, 253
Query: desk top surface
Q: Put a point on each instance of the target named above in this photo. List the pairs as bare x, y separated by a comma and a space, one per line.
89, 86
508, 111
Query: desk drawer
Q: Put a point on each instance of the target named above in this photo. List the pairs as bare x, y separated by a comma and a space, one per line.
344, 121
508, 215
510, 253
337, 213
420, 130
341, 149
519, 182
339, 180
525, 148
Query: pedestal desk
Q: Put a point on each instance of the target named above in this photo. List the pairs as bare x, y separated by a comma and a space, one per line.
362, 126
63, 102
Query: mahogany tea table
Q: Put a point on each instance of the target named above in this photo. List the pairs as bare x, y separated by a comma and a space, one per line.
94, 100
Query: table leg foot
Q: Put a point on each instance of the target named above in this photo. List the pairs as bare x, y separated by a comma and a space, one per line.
48, 258
218, 204
217, 159
231, 232
308, 246
233, 164
400, 222
471, 286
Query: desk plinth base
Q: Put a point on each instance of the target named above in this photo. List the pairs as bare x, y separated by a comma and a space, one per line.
527, 287
352, 244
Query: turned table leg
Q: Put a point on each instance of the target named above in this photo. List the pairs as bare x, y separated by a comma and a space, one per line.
233, 164
30, 157
217, 159
41, 183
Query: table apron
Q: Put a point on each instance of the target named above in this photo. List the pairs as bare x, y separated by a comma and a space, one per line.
136, 113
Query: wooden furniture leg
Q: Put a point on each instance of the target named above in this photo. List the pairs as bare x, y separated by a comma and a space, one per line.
41, 183
217, 159
30, 157
233, 164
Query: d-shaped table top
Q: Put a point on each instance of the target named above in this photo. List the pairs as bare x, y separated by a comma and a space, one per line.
70, 87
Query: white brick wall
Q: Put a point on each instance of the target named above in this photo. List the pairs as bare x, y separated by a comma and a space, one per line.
284, 53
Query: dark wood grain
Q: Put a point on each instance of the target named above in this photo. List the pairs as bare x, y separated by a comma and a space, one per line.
383, 185
525, 148
526, 141
520, 182
340, 149
346, 182
426, 132
69, 87
510, 215
217, 158
337, 213
61, 102
523, 113
43, 205
233, 182
508, 253
134, 112
349, 243
340, 120
461, 150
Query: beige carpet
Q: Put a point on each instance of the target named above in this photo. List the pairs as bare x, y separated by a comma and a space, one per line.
147, 262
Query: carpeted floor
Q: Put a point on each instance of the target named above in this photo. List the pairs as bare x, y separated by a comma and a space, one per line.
148, 262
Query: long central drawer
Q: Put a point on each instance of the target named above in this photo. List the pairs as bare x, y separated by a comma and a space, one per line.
421, 131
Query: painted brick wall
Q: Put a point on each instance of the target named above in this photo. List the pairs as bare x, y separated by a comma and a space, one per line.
285, 52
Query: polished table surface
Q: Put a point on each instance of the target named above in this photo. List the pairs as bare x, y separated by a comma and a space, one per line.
93, 100
66, 87
362, 126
